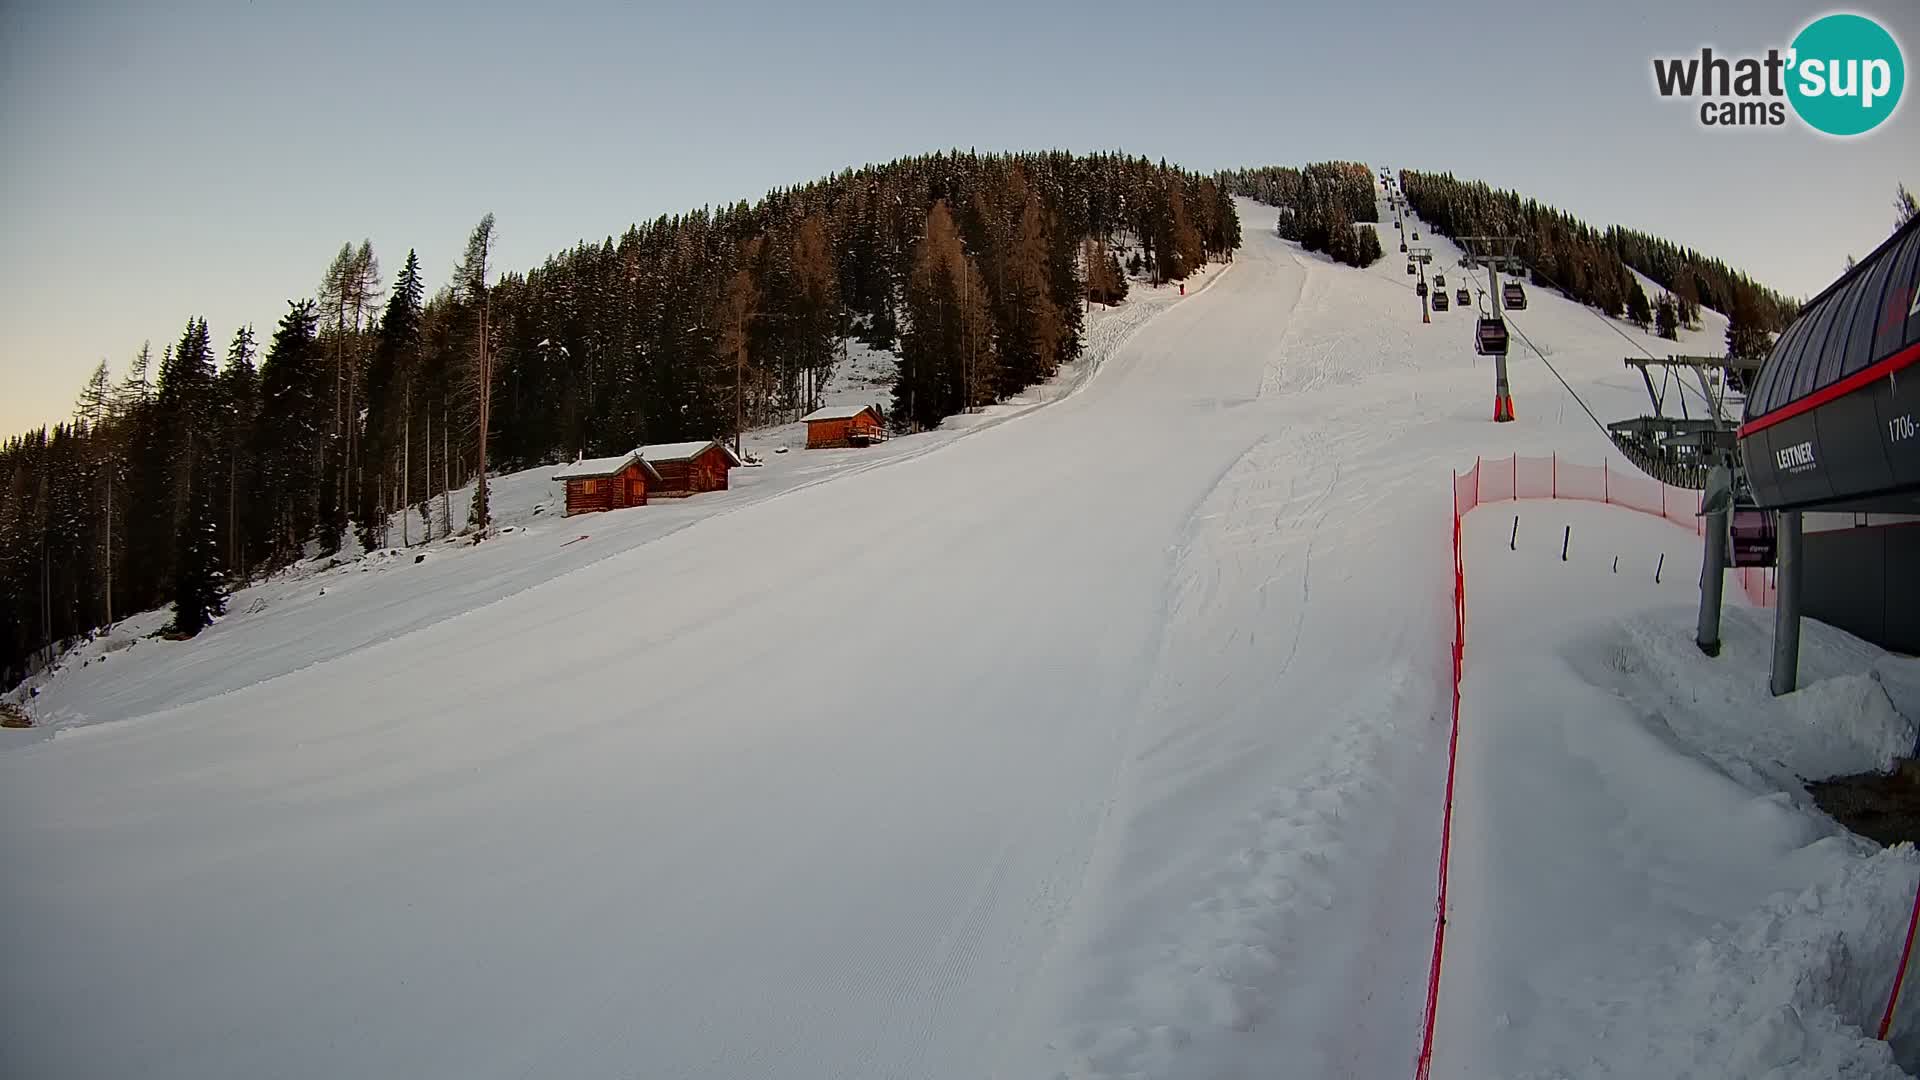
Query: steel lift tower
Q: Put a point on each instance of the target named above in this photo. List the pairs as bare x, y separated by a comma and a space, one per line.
1495, 251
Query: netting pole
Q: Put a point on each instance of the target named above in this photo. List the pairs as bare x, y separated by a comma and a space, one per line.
1556, 474
1423, 1065
1516, 476
1606, 496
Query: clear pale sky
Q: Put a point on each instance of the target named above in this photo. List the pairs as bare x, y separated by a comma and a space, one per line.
168, 160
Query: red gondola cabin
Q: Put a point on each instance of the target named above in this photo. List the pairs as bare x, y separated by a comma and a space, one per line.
844, 425
689, 468
609, 483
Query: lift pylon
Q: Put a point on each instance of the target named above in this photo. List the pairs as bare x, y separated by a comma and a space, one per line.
1420, 257
1494, 251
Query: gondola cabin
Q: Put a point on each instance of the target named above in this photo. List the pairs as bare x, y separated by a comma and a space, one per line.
1421, 288
1513, 296
844, 425
1752, 537
689, 468
1462, 297
1490, 337
608, 483
1439, 299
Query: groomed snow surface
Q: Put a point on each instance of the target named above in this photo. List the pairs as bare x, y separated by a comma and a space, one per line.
1099, 739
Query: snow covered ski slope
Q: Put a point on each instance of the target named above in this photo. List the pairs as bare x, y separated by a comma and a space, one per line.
1099, 743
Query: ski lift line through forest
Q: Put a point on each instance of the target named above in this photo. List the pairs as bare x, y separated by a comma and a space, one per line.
1628, 338
1684, 389
1480, 300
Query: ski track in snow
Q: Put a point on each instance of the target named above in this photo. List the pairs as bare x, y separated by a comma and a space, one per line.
1101, 745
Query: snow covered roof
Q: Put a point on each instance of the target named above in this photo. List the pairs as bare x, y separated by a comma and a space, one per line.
837, 412
685, 451
602, 466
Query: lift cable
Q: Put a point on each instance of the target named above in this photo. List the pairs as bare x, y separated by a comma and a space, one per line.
1628, 338
1595, 312
1481, 303
1556, 374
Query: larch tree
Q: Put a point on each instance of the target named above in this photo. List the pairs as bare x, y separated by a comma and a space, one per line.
97, 408
817, 305
1033, 328
739, 306
470, 282
137, 387
348, 291
948, 357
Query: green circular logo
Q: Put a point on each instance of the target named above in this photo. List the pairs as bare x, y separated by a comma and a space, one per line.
1845, 74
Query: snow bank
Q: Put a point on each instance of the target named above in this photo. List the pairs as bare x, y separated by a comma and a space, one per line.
1788, 991
1641, 885
1853, 717
1841, 721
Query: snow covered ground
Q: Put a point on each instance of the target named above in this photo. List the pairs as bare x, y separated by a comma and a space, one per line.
1098, 739
330, 606
1641, 885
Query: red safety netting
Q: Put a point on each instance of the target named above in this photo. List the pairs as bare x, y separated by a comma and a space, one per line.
1423, 1065
1758, 583
1516, 477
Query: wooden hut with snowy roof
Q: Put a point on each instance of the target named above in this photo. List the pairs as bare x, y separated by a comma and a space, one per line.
608, 483
688, 468
844, 425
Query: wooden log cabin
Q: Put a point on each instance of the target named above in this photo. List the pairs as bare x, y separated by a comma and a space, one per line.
688, 468
608, 483
844, 425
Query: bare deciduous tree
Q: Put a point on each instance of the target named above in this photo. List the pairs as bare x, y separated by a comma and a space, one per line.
470, 281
